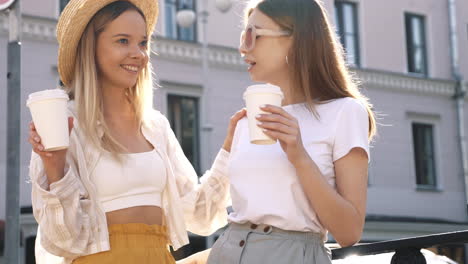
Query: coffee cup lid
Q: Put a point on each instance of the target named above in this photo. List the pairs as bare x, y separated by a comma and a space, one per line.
47, 94
263, 88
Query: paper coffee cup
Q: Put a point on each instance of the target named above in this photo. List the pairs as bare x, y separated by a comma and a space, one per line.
49, 113
255, 96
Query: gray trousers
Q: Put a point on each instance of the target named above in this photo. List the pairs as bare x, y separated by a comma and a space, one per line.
264, 244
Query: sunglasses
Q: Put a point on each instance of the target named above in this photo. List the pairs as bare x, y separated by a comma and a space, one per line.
250, 33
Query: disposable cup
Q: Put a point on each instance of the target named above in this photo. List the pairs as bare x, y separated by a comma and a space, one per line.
255, 96
49, 113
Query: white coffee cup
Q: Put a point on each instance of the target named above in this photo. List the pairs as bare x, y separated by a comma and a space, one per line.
255, 96
49, 113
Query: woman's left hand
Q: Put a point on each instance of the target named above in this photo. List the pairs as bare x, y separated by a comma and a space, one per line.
232, 128
280, 125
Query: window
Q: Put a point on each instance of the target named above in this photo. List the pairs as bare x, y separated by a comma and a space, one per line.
184, 118
423, 144
347, 30
173, 30
416, 44
62, 4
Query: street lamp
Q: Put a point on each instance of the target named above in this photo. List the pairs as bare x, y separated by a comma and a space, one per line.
186, 18
223, 5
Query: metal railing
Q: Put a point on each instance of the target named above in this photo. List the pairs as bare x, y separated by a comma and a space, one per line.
407, 250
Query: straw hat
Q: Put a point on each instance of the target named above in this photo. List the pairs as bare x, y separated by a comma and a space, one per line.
73, 21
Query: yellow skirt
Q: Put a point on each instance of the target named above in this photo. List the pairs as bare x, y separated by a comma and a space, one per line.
133, 243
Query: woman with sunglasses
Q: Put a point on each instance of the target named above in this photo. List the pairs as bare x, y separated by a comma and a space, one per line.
286, 197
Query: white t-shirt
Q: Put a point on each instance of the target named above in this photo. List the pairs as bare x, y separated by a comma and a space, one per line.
264, 186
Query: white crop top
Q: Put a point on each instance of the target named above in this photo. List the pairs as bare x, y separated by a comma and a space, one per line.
139, 180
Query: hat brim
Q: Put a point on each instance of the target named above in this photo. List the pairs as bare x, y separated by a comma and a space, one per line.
73, 21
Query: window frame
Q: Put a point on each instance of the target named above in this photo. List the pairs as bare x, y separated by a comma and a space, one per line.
434, 119
418, 174
410, 46
196, 162
339, 6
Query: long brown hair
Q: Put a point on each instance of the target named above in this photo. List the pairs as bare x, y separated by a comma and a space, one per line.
316, 58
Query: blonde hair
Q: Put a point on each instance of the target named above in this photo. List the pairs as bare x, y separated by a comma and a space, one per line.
316, 58
85, 89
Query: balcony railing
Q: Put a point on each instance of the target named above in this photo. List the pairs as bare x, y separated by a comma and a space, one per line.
407, 251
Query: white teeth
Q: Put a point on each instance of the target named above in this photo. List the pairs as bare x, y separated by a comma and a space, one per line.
130, 68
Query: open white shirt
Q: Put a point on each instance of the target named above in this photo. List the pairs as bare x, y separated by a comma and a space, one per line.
264, 186
72, 221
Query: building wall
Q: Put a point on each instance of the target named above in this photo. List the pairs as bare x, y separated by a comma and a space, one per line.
397, 98
385, 42
44, 8
381, 27
393, 190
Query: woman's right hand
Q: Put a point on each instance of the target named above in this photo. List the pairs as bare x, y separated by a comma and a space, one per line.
232, 127
54, 161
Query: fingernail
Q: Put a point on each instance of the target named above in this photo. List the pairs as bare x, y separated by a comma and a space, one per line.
36, 139
263, 106
258, 116
259, 123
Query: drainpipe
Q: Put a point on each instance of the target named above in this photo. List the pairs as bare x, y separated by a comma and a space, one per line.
460, 92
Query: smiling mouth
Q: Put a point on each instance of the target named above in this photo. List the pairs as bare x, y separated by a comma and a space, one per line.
132, 69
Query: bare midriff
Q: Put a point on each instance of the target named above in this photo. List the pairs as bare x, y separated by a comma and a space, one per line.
150, 215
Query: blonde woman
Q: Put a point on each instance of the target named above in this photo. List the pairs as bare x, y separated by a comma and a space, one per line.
287, 196
121, 191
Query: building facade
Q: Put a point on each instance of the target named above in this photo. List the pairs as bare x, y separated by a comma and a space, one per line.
401, 51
